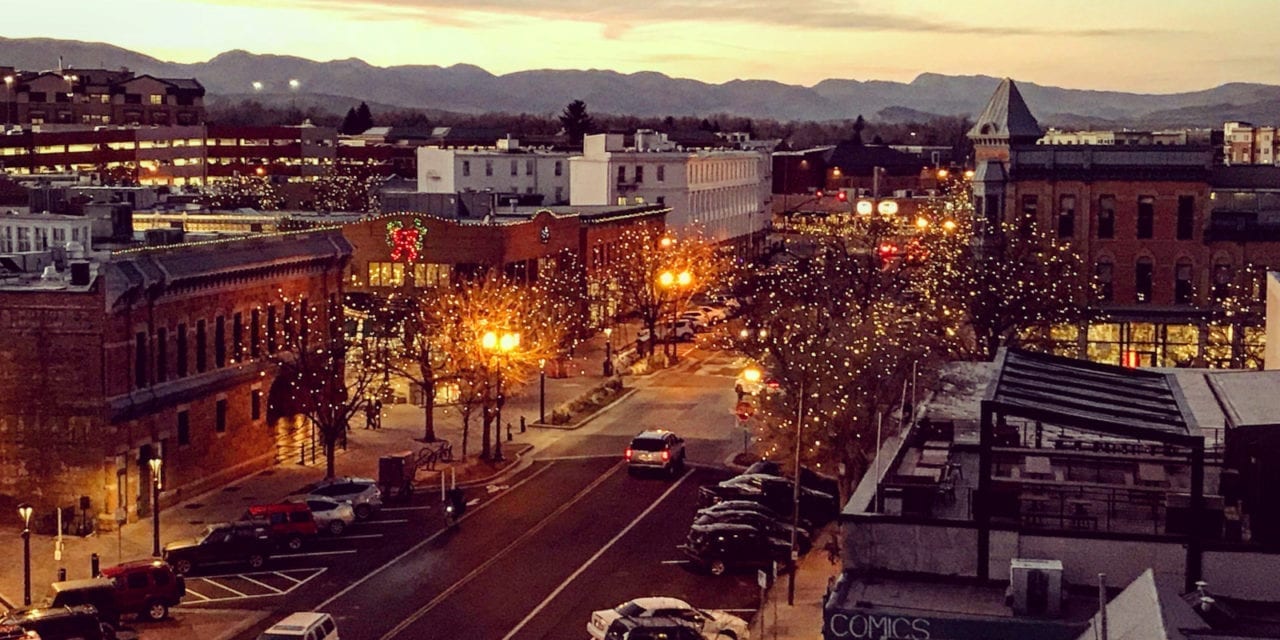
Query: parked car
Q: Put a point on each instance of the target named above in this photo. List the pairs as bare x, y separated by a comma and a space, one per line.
665, 628
361, 493
684, 331
14, 632
711, 624
765, 524
288, 523
753, 506
656, 449
808, 477
713, 313
333, 516
146, 588
306, 625
61, 623
774, 492
725, 547
699, 320
225, 543
98, 593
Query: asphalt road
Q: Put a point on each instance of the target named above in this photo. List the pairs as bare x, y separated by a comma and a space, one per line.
573, 533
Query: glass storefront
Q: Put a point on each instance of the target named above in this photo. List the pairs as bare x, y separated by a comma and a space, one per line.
1151, 344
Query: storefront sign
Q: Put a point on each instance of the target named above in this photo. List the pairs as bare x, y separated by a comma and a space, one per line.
879, 627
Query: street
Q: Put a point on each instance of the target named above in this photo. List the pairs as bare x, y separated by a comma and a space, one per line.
533, 556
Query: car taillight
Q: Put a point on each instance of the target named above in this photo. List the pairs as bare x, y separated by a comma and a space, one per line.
666, 455
626, 455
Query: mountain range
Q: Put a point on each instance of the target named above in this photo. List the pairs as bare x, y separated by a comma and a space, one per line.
469, 89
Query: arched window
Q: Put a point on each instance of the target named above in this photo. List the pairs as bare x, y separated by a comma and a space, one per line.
1223, 274
1104, 274
1183, 291
1143, 280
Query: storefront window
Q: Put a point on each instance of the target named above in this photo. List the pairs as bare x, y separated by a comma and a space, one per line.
1217, 350
1104, 342
1255, 340
1182, 345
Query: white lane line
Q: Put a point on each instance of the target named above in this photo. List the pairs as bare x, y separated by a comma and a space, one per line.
223, 586
390, 509
573, 576
314, 554
198, 594
362, 536
494, 557
588, 456
426, 541
383, 522
287, 577
677, 562
260, 584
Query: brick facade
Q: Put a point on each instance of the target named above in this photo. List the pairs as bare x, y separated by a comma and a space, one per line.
96, 377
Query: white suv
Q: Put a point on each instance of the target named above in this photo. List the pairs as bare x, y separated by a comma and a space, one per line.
716, 625
656, 449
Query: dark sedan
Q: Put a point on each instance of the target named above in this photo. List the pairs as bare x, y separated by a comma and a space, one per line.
723, 547
773, 492
759, 521
229, 543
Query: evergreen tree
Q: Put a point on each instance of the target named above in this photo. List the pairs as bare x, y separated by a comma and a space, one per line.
858, 126
576, 122
364, 118
349, 123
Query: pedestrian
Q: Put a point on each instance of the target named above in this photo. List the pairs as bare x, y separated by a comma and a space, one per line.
368, 413
833, 549
741, 392
377, 413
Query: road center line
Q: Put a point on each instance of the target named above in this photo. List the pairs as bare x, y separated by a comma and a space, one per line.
493, 558
573, 576
428, 540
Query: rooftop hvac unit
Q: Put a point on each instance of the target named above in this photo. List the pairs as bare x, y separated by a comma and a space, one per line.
79, 274
1036, 587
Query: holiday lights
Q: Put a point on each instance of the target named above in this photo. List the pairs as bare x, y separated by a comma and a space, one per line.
406, 242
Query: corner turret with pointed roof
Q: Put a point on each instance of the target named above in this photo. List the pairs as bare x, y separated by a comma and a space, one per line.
1006, 121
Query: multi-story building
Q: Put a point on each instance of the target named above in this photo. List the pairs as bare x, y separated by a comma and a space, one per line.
153, 351
506, 168
1244, 143
1151, 227
176, 155
99, 97
724, 193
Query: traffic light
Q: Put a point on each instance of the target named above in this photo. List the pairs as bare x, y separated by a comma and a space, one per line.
842, 196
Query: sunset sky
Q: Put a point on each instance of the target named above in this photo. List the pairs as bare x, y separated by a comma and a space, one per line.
1131, 45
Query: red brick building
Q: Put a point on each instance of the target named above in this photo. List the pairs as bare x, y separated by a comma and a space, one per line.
152, 352
524, 244
1156, 237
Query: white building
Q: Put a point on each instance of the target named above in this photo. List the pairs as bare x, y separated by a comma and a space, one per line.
36, 232
504, 168
726, 193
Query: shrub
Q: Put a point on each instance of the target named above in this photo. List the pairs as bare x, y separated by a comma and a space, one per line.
560, 415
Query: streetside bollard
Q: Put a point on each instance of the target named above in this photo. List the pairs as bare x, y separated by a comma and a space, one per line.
94, 565
62, 574
521, 424
508, 432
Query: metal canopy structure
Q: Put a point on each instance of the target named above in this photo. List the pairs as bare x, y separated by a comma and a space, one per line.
1092, 397
1097, 398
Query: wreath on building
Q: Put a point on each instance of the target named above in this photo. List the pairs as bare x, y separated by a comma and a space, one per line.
406, 241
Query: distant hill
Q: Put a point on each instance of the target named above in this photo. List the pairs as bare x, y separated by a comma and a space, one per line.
470, 89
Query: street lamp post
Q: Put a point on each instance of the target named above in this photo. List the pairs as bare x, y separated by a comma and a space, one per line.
542, 390
501, 345
24, 512
674, 281
795, 505
8, 100
608, 351
156, 466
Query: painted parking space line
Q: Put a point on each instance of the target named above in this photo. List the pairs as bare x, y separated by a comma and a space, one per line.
363, 536
381, 522
261, 580
311, 554
677, 562
394, 509
260, 584
226, 588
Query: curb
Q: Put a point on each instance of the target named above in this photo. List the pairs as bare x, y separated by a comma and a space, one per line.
522, 462
6, 603
582, 423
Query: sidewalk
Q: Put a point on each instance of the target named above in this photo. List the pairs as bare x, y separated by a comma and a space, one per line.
803, 621
402, 430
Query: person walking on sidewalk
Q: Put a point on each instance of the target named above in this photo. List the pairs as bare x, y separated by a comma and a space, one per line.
369, 414
377, 413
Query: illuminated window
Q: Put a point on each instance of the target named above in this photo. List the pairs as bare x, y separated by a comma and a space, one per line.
157, 98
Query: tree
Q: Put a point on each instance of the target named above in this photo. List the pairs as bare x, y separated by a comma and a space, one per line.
576, 122
858, 126
364, 118
350, 125
633, 280
329, 380
243, 192
1021, 285
348, 188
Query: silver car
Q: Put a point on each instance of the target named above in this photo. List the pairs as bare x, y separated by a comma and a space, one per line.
361, 493
330, 515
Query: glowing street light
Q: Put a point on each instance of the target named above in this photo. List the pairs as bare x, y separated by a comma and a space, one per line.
922, 223
294, 84
751, 374
501, 344
257, 85
671, 280
24, 512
